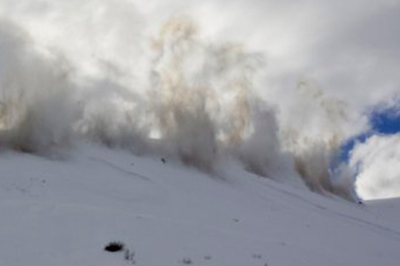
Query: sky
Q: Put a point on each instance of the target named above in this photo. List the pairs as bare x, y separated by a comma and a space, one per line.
327, 72
375, 156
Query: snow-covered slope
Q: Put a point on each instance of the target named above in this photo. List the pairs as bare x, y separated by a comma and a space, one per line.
64, 211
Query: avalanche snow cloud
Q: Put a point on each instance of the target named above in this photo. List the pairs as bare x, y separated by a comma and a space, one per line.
277, 86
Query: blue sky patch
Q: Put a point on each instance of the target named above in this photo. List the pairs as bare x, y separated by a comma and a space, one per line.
382, 122
385, 122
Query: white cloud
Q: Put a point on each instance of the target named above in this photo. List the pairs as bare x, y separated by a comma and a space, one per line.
378, 163
349, 48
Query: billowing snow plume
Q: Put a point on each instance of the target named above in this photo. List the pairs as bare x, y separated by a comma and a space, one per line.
36, 109
104, 71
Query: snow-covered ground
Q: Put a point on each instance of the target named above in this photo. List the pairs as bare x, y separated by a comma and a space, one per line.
63, 211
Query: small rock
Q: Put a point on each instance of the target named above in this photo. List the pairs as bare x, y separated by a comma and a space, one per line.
114, 247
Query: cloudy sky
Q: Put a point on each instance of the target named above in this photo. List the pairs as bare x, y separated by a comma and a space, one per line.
348, 50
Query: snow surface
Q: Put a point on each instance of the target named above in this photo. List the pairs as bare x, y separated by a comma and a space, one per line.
64, 210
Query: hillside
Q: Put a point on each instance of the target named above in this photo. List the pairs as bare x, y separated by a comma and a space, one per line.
64, 211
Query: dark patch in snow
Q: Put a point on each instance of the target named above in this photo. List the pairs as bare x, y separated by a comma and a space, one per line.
114, 247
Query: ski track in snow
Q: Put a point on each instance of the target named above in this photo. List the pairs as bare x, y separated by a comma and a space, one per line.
120, 169
390, 232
